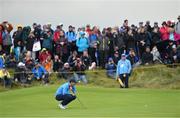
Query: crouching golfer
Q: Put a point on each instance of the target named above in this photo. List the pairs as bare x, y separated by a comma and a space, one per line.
66, 93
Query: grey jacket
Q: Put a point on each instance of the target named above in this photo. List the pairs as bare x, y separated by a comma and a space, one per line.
177, 28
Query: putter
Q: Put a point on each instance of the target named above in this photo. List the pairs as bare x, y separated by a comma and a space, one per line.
82, 105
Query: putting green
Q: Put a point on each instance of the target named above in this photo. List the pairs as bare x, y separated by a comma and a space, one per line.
100, 102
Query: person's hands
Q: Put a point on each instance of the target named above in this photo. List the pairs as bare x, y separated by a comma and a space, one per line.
80, 63
71, 90
19, 42
142, 42
117, 78
73, 94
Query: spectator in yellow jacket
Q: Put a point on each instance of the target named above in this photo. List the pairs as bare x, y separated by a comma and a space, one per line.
5, 77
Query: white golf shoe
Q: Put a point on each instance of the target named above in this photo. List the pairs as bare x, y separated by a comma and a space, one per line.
61, 106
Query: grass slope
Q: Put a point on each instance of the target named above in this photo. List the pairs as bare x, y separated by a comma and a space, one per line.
157, 76
100, 102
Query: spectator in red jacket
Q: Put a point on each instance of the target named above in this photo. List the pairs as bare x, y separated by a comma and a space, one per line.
88, 29
43, 55
61, 46
56, 35
164, 32
1, 33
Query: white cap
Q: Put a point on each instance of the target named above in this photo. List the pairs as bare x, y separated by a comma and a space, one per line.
66, 64
60, 24
174, 46
20, 64
172, 21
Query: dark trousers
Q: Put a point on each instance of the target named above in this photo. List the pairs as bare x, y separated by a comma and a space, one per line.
7, 49
92, 54
124, 79
141, 50
103, 57
46, 78
72, 46
66, 99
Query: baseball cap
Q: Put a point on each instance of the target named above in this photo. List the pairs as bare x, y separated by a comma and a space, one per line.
72, 80
110, 59
82, 33
20, 64
60, 24
123, 55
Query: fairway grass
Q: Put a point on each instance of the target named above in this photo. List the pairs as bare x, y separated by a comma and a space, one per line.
100, 102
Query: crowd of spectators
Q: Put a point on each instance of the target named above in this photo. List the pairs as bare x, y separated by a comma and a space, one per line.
34, 52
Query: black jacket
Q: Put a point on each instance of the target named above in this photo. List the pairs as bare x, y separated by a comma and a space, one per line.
29, 44
156, 37
147, 58
130, 41
17, 38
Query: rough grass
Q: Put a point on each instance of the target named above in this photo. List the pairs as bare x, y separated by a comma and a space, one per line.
159, 76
